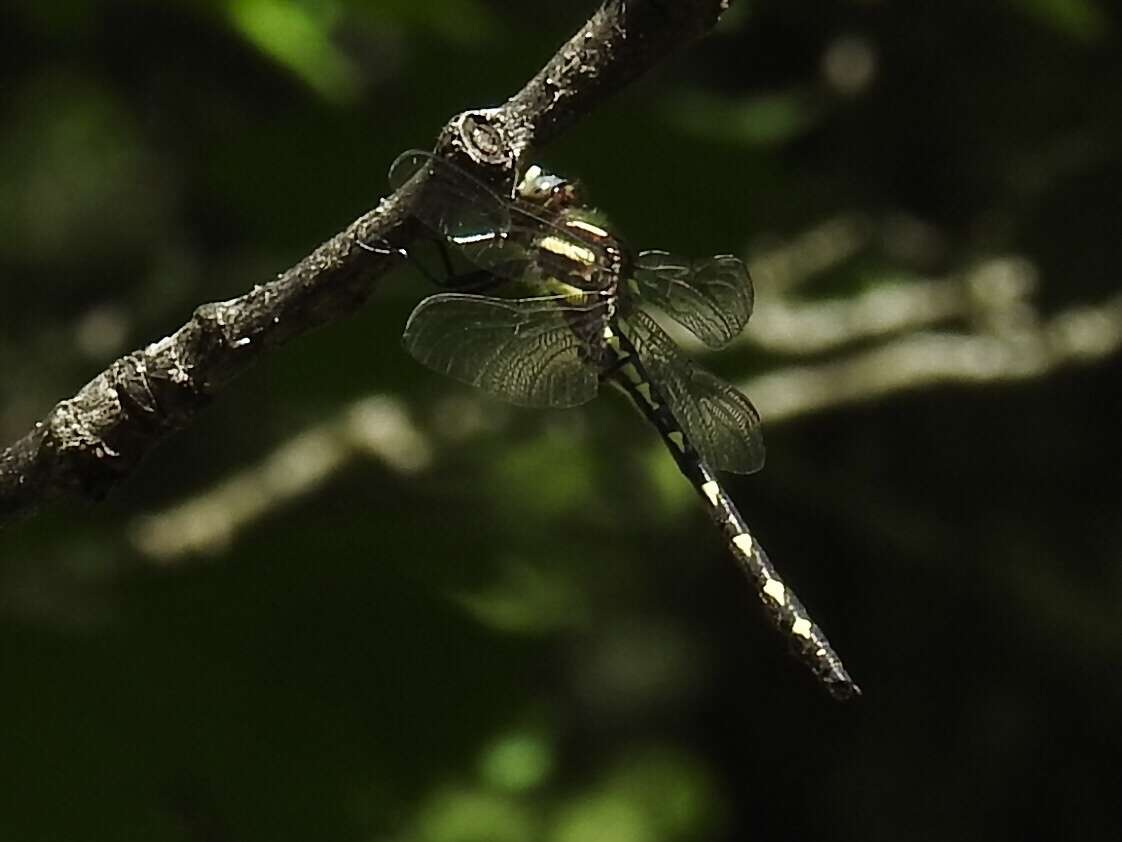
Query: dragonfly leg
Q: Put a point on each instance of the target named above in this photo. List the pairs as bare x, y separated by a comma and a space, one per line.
475, 280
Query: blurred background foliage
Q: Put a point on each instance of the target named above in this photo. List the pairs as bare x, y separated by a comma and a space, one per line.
356, 602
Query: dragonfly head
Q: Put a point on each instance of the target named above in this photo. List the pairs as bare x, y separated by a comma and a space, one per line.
547, 190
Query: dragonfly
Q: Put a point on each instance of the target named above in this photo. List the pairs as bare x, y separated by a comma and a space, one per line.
581, 323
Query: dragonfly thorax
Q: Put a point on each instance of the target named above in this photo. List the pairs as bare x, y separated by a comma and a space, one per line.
581, 255
573, 250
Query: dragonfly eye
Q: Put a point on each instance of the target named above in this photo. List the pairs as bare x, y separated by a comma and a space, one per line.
547, 190
567, 194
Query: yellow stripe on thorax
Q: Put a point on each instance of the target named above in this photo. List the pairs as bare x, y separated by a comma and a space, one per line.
568, 249
559, 287
595, 230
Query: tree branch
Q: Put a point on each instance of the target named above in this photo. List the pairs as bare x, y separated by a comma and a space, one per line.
90, 442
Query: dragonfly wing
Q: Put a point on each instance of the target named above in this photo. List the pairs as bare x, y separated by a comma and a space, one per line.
497, 234
526, 351
720, 422
463, 210
711, 297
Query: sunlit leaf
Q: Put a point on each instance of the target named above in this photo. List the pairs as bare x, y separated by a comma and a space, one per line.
677, 795
571, 472
606, 817
298, 35
529, 598
518, 761
464, 815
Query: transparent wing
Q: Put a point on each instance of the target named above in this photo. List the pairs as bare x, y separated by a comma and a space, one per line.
494, 233
712, 297
463, 210
719, 421
529, 351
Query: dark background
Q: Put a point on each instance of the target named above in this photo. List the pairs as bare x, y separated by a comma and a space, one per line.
538, 635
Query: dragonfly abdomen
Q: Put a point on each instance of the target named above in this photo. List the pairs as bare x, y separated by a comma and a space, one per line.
780, 603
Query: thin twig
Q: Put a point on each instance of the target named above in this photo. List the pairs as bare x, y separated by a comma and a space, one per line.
88, 443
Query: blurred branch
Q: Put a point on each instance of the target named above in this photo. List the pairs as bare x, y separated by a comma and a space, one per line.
89, 442
807, 328
783, 267
379, 427
1079, 335
993, 294
374, 426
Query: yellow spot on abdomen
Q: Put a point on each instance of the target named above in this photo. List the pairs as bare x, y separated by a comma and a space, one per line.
774, 588
801, 627
712, 492
743, 543
678, 440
